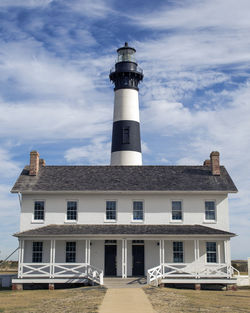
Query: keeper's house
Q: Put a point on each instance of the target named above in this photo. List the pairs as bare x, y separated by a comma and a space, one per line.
169, 223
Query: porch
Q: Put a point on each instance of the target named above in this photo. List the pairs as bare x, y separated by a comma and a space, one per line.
161, 260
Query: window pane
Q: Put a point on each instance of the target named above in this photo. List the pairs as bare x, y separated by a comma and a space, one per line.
178, 252
111, 210
71, 210
70, 252
37, 252
209, 210
138, 210
39, 210
176, 210
211, 252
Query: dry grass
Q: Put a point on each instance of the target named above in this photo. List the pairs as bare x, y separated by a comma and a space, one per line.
168, 300
77, 300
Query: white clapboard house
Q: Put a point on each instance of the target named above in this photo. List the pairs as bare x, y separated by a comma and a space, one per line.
169, 223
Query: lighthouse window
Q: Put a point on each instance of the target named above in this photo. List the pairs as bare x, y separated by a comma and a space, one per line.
125, 135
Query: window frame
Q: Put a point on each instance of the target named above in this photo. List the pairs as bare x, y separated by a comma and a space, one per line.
215, 211
70, 252
182, 213
116, 211
213, 252
183, 256
143, 211
38, 253
126, 135
38, 221
77, 211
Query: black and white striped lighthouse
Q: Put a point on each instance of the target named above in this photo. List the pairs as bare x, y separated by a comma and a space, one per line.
126, 139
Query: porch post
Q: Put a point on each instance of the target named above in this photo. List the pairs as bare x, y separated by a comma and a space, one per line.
219, 255
162, 261
20, 258
225, 251
196, 256
52, 257
87, 251
124, 258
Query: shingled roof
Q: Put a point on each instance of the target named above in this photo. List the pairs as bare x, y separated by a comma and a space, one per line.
65, 230
124, 178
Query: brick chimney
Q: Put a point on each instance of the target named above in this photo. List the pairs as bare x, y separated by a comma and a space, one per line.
42, 162
207, 163
34, 163
215, 162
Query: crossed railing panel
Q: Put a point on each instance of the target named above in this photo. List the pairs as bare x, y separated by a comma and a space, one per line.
61, 270
190, 270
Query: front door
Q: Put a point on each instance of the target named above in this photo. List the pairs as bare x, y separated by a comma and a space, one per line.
110, 260
138, 260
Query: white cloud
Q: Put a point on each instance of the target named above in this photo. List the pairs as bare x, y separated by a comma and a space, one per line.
97, 152
8, 168
24, 3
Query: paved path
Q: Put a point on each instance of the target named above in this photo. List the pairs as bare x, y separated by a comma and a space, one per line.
126, 300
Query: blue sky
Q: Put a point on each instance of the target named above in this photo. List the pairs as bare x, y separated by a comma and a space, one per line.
55, 94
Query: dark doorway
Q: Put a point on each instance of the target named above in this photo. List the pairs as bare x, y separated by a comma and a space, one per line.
138, 260
110, 260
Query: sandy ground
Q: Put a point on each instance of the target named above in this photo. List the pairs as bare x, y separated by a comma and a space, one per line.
169, 300
76, 300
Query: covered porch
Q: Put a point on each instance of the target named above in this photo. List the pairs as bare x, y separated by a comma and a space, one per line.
113, 250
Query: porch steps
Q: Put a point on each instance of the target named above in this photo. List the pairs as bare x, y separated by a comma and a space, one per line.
118, 282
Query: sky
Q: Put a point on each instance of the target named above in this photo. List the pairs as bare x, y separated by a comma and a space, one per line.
56, 97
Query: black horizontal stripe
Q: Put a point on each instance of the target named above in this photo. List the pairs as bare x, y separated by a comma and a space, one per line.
121, 141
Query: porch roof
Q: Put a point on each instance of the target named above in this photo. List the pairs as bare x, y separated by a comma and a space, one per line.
124, 178
78, 230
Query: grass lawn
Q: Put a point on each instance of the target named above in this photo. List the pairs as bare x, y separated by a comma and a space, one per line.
76, 300
168, 300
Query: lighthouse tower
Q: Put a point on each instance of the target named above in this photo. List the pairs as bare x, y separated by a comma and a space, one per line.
126, 140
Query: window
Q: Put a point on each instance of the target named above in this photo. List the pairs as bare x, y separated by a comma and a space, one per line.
37, 252
72, 210
110, 210
211, 252
178, 252
138, 210
70, 252
39, 210
125, 135
176, 210
210, 210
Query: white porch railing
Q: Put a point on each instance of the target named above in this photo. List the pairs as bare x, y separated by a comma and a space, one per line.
61, 270
191, 270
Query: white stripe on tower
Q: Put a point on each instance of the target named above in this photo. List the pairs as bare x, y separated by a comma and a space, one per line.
126, 142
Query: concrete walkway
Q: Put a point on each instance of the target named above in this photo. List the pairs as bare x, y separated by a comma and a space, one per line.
126, 300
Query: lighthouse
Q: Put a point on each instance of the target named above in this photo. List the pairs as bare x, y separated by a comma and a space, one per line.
126, 139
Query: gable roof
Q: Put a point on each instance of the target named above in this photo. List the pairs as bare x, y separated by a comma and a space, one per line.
87, 229
124, 178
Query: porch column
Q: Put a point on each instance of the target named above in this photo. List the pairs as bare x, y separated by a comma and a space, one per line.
162, 256
219, 254
87, 251
197, 256
20, 258
124, 257
52, 258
